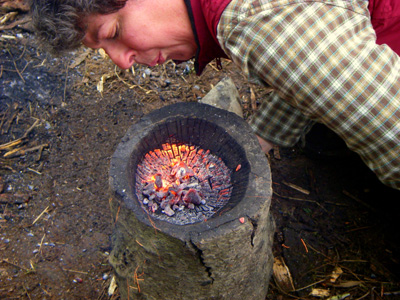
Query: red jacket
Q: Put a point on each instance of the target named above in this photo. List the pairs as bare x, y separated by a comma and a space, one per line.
385, 18
204, 16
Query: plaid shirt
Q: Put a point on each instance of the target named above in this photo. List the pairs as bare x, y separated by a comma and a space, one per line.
324, 65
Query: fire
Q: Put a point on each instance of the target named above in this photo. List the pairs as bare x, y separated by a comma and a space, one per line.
179, 177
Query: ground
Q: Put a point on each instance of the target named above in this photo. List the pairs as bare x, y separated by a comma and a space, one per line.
61, 120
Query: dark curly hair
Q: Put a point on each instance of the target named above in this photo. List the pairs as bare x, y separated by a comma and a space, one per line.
58, 24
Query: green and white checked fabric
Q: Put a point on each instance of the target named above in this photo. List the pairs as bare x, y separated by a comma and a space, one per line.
324, 65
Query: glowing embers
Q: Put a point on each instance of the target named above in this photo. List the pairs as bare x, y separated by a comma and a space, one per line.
182, 184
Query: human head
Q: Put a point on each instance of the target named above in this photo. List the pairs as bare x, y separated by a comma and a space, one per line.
59, 25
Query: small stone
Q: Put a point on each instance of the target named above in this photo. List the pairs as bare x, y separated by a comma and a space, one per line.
225, 96
78, 280
147, 72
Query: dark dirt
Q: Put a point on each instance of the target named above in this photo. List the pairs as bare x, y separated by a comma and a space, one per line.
55, 223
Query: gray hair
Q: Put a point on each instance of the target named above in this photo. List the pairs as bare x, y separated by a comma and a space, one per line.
59, 24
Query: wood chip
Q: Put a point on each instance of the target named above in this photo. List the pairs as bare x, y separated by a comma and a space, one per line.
335, 274
282, 275
320, 293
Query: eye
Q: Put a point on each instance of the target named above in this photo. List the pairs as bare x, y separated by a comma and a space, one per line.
115, 33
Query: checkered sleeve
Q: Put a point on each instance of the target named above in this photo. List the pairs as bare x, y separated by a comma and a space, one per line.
321, 58
278, 122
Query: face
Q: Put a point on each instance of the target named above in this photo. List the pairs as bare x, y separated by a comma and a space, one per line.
147, 32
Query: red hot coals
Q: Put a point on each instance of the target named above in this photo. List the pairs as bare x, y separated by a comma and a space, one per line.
182, 184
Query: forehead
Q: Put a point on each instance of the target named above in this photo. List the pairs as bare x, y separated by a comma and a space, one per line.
95, 24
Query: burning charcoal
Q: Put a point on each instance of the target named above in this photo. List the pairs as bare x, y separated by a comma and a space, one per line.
160, 195
148, 189
192, 196
181, 170
158, 181
188, 181
168, 211
193, 185
182, 186
164, 203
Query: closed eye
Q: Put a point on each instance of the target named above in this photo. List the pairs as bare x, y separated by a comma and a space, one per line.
115, 34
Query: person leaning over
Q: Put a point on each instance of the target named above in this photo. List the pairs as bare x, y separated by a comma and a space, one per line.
334, 62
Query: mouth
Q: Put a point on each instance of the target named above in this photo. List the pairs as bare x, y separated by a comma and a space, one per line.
159, 60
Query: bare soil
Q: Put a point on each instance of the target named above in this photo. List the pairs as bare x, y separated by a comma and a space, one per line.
60, 122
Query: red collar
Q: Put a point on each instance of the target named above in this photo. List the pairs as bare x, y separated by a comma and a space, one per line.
204, 16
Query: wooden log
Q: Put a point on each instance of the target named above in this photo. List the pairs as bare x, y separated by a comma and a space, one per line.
226, 257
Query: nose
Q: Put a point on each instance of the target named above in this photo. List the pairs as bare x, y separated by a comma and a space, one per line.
121, 55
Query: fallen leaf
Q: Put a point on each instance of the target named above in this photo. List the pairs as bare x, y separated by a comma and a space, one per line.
321, 293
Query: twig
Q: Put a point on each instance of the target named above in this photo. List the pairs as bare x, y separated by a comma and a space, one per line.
6, 112
75, 271
41, 214
26, 292
11, 144
15, 65
212, 66
304, 244
41, 242
39, 147
296, 187
310, 285
25, 66
34, 171
300, 199
19, 141
363, 296
31, 128
359, 201
359, 228
9, 122
296, 199
21, 151
5, 260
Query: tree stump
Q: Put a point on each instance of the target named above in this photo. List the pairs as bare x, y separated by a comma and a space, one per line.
226, 257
